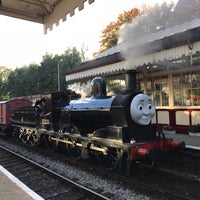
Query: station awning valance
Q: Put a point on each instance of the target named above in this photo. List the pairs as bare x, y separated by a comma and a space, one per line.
174, 47
172, 57
47, 12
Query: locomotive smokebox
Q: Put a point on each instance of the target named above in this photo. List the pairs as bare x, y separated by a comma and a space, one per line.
131, 81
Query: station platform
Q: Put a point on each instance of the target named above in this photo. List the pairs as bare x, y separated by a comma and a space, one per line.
12, 188
191, 142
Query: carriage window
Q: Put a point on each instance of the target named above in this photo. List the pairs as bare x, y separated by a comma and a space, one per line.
186, 89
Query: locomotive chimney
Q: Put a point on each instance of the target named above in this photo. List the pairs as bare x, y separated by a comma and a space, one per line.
131, 82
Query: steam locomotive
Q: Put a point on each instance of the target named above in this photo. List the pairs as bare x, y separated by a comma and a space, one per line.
116, 130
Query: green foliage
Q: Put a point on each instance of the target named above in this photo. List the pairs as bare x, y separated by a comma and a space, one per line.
195, 128
4, 73
39, 79
115, 86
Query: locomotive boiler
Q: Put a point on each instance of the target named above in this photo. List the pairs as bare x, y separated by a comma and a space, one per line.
129, 114
116, 130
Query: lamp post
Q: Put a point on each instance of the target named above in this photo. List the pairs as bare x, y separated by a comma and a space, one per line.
58, 67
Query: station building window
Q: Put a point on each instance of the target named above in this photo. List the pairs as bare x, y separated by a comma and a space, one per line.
158, 89
186, 89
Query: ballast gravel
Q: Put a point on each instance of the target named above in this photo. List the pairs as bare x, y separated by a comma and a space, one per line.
112, 189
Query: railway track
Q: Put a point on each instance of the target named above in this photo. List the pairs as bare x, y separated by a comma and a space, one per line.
161, 182
46, 183
188, 159
160, 185
169, 185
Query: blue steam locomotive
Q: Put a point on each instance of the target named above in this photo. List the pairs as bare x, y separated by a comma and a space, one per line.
117, 130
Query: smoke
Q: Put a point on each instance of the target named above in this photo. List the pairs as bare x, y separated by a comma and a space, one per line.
134, 37
128, 39
84, 89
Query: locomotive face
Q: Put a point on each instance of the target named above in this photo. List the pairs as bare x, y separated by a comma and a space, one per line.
142, 109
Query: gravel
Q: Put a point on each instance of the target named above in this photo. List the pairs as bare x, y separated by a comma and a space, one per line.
112, 189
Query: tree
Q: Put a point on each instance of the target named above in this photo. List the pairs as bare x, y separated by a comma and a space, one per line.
43, 78
149, 20
21, 81
4, 73
67, 61
83, 50
109, 37
47, 71
159, 17
185, 10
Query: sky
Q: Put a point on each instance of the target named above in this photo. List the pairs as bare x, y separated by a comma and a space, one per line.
23, 42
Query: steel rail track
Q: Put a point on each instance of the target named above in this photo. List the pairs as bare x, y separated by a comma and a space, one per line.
45, 182
157, 191
149, 184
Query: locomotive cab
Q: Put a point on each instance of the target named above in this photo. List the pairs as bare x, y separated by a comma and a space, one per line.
54, 102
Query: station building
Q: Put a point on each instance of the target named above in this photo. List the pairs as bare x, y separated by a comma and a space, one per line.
168, 65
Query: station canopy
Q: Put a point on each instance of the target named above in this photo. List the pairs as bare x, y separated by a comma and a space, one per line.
173, 48
47, 12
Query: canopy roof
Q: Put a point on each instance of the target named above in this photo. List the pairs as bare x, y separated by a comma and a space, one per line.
175, 47
47, 12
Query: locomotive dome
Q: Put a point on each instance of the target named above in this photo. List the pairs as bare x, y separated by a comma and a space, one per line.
98, 87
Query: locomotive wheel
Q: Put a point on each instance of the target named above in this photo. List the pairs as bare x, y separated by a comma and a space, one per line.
22, 135
33, 139
50, 144
75, 152
23, 139
109, 161
69, 128
15, 133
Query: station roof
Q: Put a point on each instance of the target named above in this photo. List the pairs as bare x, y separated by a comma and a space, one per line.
177, 46
163, 39
47, 12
